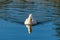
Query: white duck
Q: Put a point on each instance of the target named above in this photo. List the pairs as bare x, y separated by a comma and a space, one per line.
29, 22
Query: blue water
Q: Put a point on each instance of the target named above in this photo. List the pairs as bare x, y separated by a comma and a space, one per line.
12, 31
12, 15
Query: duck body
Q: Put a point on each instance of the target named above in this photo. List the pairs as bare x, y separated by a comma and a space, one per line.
30, 20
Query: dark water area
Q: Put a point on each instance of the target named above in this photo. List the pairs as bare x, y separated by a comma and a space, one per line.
14, 13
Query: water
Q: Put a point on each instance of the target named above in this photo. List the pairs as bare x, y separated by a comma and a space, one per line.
13, 14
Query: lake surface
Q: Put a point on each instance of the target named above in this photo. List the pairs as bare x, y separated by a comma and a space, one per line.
13, 14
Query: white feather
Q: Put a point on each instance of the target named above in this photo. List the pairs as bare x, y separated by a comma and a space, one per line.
30, 21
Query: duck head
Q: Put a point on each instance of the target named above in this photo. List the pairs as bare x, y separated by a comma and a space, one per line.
30, 17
